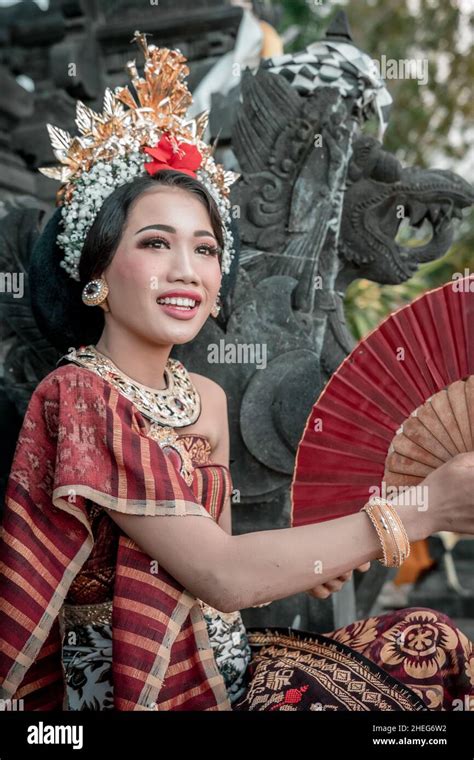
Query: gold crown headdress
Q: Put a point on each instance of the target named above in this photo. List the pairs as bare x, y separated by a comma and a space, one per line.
120, 143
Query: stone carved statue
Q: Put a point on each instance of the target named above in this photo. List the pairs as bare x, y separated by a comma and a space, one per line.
317, 201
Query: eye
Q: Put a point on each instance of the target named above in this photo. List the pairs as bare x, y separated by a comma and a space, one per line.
205, 249
153, 242
209, 250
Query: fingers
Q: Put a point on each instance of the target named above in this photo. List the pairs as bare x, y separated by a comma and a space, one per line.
319, 592
336, 583
363, 568
325, 590
334, 586
344, 576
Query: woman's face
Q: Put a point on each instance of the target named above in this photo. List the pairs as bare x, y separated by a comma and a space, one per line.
167, 246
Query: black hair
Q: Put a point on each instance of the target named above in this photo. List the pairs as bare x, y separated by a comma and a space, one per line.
56, 298
104, 235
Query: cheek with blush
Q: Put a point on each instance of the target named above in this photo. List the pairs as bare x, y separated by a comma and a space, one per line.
129, 284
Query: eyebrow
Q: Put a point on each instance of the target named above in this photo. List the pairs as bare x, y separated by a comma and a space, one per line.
167, 228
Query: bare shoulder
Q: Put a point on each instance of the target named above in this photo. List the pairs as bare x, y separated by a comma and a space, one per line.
208, 387
213, 421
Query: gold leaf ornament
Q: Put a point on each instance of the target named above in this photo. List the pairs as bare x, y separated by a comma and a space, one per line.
162, 99
108, 151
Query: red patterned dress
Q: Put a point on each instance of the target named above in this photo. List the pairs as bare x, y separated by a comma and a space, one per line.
81, 604
87, 648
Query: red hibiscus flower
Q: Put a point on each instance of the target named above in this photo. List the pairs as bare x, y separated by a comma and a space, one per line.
183, 157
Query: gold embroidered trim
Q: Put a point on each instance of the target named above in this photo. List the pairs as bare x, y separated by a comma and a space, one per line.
87, 614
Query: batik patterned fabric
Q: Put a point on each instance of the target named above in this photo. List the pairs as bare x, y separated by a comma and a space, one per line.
232, 652
413, 659
87, 661
82, 450
83, 443
86, 657
88, 668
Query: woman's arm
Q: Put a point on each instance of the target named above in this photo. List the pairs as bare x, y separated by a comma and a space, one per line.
225, 517
235, 572
220, 455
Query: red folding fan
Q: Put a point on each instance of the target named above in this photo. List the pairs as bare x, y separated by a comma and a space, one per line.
399, 405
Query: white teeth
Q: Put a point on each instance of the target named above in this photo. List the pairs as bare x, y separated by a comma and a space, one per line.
188, 303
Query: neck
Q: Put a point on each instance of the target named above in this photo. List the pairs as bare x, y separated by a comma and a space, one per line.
142, 361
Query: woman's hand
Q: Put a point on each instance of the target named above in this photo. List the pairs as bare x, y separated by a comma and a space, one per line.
442, 501
326, 589
450, 489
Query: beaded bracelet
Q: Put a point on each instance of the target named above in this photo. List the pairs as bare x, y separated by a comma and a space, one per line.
390, 530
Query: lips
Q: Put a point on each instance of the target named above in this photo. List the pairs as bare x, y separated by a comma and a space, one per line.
179, 311
192, 294
180, 304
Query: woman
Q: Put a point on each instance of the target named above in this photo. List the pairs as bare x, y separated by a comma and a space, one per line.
106, 599
94, 555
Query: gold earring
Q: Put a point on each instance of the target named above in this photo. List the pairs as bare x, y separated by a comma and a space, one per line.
216, 307
95, 292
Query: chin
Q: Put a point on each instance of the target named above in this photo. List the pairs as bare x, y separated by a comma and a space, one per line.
184, 336
179, 334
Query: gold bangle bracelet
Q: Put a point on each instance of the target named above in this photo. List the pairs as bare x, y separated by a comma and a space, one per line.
390, 530
391, 533
374, 518
397, 527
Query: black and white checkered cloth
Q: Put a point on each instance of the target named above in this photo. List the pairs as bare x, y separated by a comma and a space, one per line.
336, 64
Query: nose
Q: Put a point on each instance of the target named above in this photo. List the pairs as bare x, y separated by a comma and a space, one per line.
183, 266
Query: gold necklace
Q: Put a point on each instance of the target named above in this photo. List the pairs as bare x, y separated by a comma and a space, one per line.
177, 405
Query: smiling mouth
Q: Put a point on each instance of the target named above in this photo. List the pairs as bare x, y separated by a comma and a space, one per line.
181, 304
